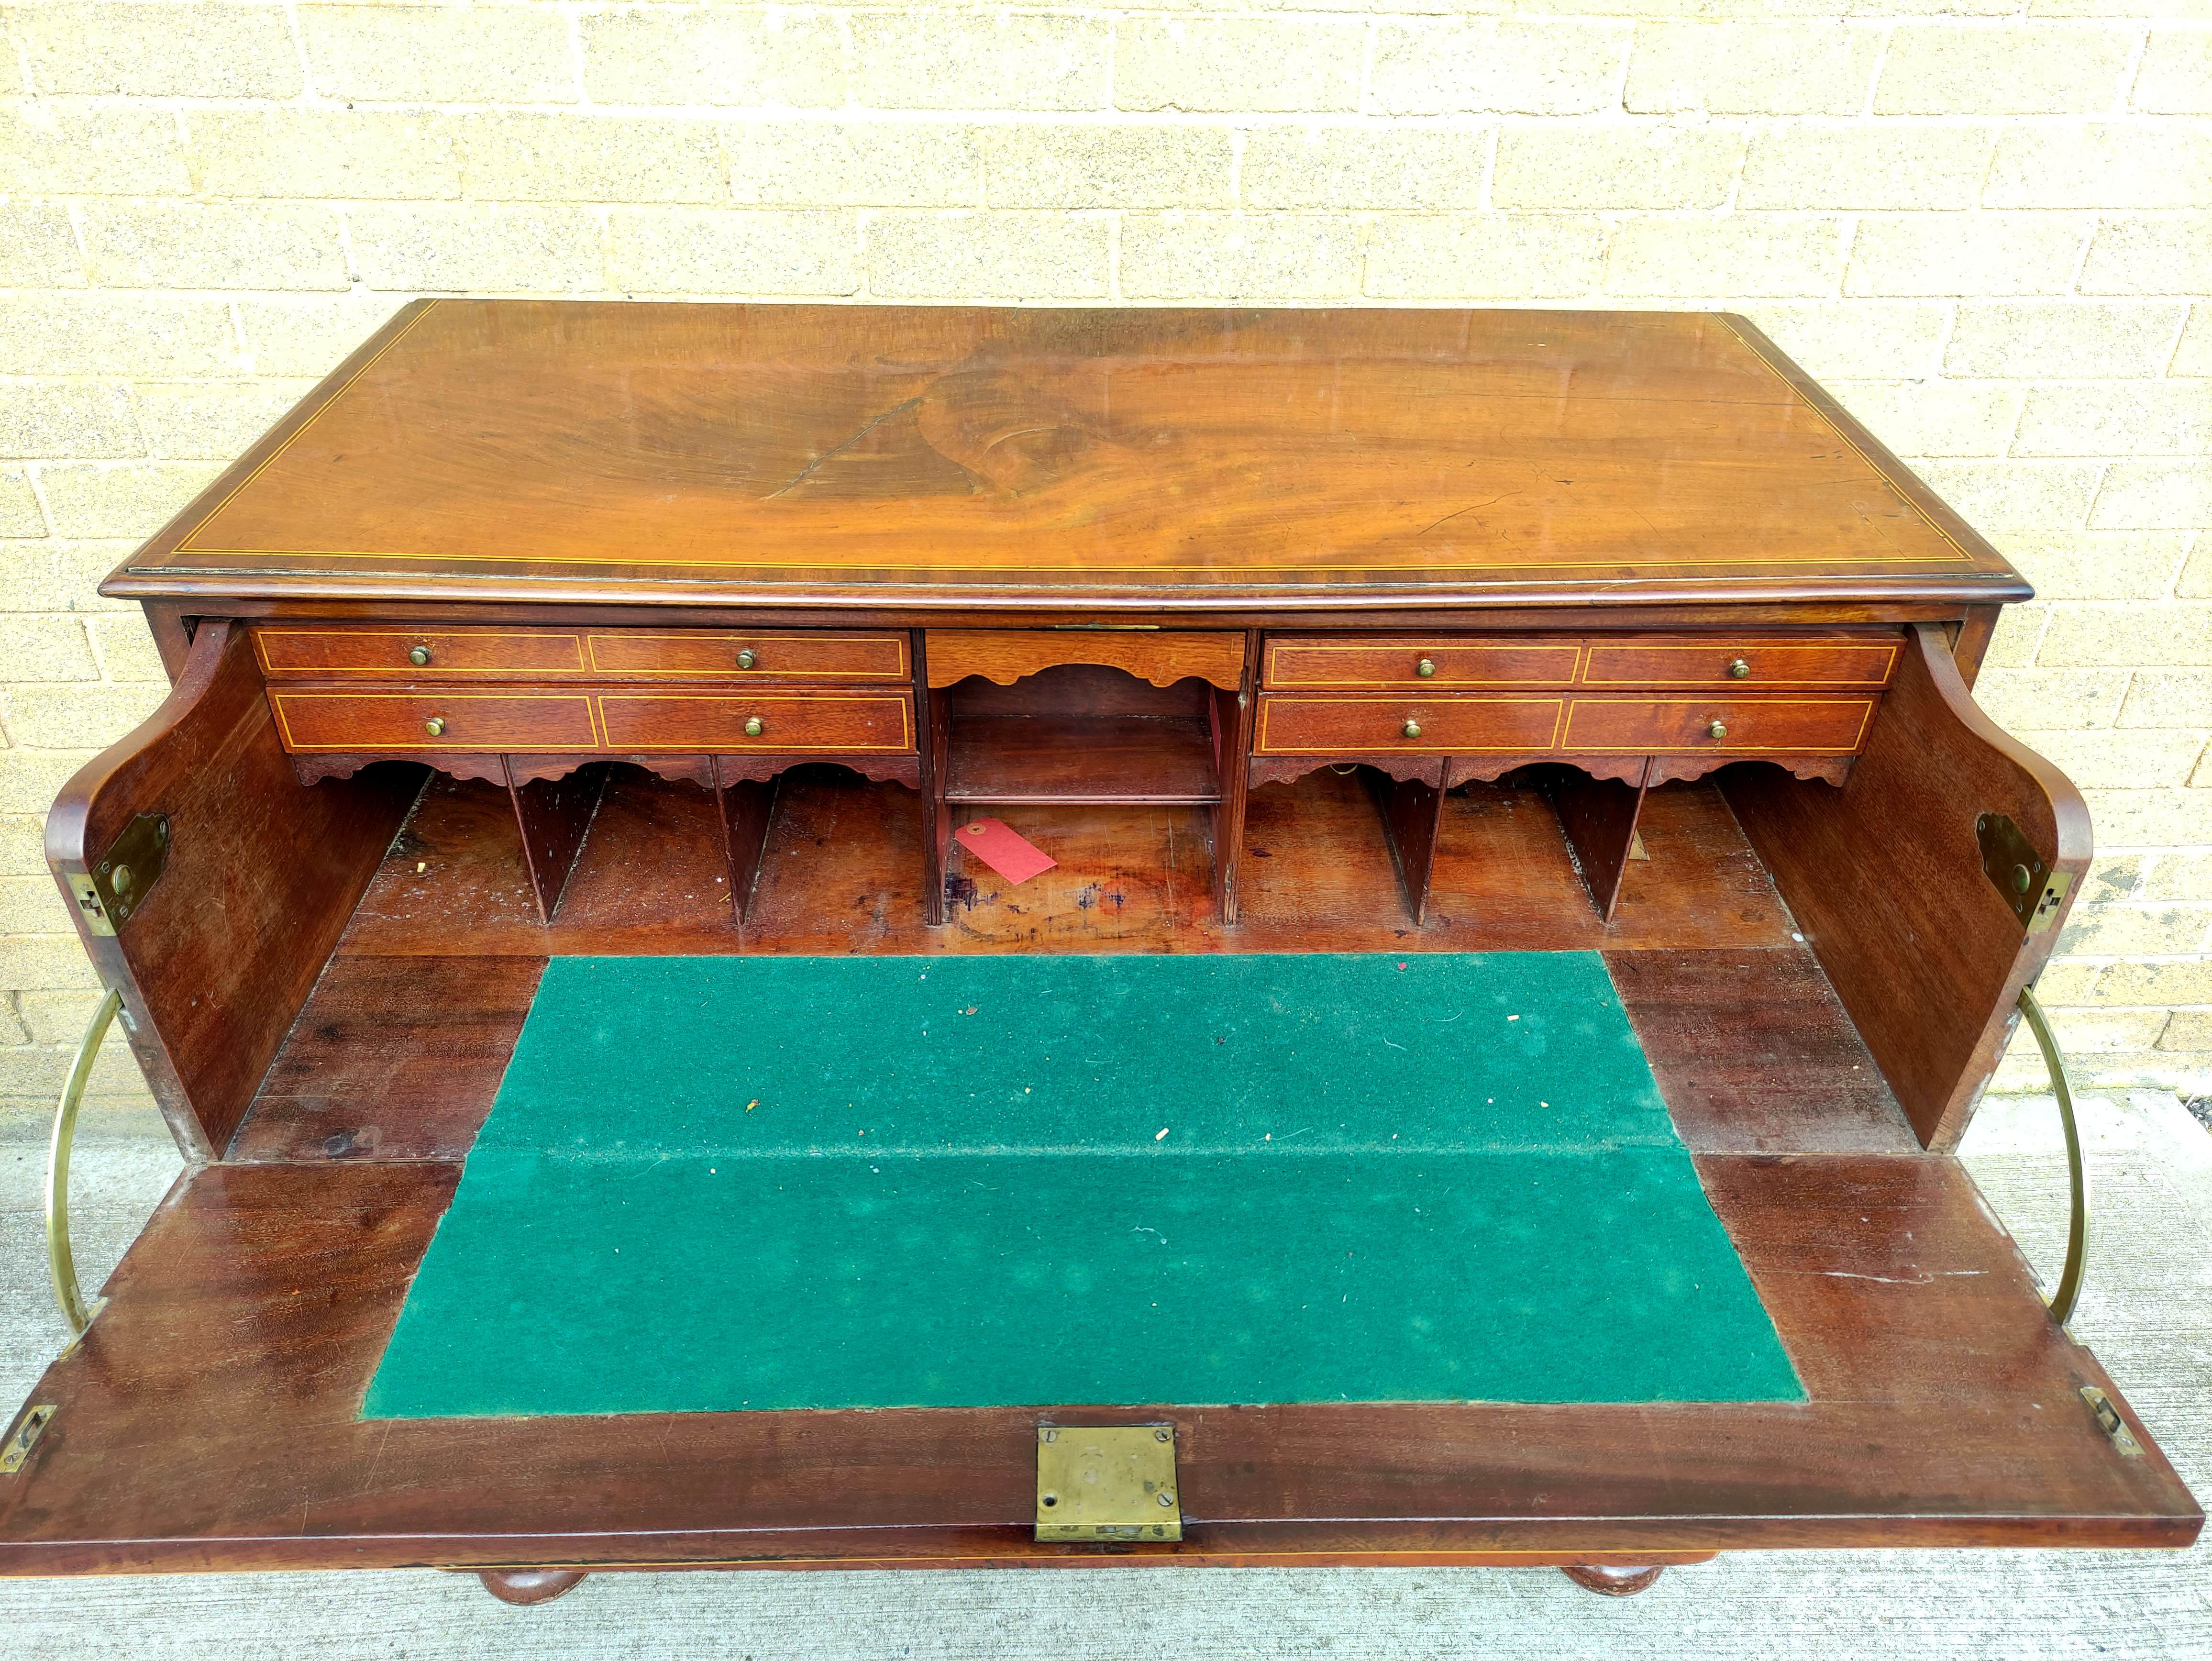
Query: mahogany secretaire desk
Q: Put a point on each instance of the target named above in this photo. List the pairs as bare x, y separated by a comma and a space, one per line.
544, 630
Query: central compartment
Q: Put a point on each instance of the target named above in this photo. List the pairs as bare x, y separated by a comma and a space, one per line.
1082, 732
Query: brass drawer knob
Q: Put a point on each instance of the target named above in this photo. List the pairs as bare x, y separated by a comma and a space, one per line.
1718, 729
418, 655
1739, 670
435, 727
1413, 729
746, 659
755, 726
1425, 668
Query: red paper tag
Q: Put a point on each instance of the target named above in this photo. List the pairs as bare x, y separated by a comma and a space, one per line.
1005, 852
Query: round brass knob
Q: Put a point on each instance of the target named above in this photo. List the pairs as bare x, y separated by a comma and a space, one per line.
1425, 668
755, 726
1718, 729
1413, 729
418, 655
1739, 670
120, 879
746, 659
435, 727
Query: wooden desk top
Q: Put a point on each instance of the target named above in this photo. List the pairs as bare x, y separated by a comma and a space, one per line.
512, 451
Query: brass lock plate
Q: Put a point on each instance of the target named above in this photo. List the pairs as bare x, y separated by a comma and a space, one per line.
1106, 1482
27, 1430
2030, 887
117, 886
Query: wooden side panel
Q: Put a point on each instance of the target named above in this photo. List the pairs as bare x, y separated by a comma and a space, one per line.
1885, 876
747, 807
1599, 818
1412, 822
263, 872
554, 816
1233, 716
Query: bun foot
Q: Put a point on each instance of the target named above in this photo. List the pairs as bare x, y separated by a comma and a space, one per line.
527, 1586
1611, 1582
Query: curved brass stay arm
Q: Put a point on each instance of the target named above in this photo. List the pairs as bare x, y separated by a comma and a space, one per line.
59, 1257
2077, 1222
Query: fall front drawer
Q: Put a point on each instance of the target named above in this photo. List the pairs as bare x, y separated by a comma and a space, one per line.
417, 654
435, 720
1292, 724
1774, 726
795, 723
1748, 664
574, 723
719, 652
1438, 663
401, 653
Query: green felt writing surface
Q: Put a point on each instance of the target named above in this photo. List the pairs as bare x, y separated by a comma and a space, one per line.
723, 1183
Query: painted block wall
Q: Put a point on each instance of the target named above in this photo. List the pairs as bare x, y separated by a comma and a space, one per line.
1985, 224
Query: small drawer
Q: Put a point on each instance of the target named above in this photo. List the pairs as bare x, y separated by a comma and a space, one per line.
1292, 724
1746, 664
1784, 725
1163, 657
784, 724
734, 655
417, 654
1355, 664
477, 721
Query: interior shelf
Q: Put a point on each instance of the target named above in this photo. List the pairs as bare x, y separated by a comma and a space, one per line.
1163, 759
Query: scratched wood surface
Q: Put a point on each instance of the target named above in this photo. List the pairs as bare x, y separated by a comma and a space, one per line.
849, 454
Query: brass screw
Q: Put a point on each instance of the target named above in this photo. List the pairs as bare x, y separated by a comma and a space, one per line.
1425, 668
1413, 729
755, 726
435, 727
745, 658
1739, 670
1164, 1436
1718, 729
1049, 1436
1166, 1499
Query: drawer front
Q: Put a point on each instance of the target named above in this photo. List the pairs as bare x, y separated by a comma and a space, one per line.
1771, 726
1748, 665
477, 721
1355, 664
332, 649
729, 654
1294, 724
787, 724
1005, 656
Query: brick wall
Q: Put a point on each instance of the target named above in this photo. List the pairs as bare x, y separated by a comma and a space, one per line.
1986, 224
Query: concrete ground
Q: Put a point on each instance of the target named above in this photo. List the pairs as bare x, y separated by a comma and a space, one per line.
2147, 1314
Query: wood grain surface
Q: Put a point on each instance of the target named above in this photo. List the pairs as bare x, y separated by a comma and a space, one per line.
844, 455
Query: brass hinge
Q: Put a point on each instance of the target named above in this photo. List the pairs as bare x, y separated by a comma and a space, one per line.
2034, 891
28, 1429
117, 886
2109, 1421
1099, 1482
